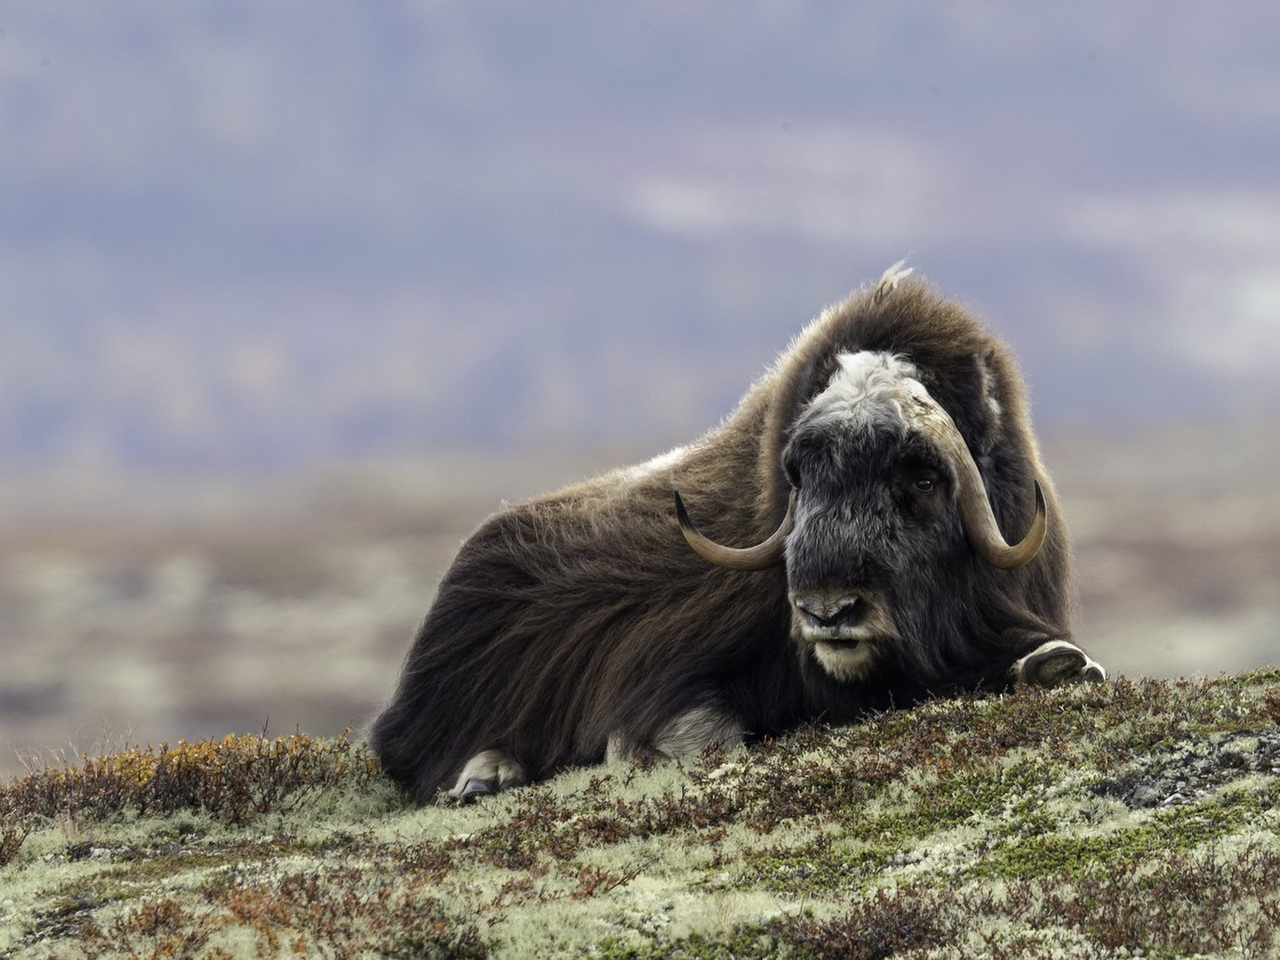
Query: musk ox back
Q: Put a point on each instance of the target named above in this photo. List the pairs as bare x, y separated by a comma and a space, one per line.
873, 526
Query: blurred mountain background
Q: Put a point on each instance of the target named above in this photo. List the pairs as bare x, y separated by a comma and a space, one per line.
292, 294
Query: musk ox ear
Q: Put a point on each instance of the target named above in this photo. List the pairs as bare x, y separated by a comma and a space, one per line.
988, 401
1055, 663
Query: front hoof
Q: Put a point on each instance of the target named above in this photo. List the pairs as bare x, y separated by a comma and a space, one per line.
487, 773
477, 788
1055, 663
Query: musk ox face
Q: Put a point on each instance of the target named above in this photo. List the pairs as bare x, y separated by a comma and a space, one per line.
885, 494
874, 514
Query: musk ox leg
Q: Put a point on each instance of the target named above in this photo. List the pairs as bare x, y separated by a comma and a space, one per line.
691, 732
486, 773
1057, 662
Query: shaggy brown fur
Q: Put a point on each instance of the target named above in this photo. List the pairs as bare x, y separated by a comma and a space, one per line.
583, 613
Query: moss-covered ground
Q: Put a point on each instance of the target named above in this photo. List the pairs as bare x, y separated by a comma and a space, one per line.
1101, 821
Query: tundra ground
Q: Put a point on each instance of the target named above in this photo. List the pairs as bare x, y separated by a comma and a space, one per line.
1095, 821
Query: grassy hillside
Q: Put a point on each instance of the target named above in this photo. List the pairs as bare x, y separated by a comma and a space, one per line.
1088, 822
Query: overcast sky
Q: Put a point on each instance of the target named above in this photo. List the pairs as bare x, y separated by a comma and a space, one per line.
244, 234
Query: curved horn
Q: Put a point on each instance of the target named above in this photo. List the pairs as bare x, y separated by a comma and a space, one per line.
975, 508
760, 557
984, 535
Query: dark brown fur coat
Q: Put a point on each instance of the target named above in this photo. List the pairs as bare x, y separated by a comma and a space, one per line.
582, 613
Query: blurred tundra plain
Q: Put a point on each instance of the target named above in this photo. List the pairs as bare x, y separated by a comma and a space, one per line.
152, 611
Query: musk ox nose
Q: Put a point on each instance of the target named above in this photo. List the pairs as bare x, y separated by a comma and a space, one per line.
832, 613
837, 615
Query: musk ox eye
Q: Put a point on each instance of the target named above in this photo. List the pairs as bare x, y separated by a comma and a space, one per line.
924, 485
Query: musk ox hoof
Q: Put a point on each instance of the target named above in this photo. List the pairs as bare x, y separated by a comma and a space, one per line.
486, 773
1055, 663
477, 788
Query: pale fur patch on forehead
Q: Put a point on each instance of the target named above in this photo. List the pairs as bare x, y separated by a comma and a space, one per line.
868, 386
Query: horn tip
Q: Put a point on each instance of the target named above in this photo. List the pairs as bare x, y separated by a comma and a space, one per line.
681, 513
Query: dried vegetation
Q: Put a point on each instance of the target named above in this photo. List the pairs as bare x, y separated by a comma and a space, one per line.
1092, 822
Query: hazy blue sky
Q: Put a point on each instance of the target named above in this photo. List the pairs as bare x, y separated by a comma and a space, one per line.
239, 234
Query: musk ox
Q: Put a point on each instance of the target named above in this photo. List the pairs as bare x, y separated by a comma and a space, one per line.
850, 555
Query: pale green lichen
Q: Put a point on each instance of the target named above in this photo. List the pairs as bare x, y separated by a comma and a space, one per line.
1085, 822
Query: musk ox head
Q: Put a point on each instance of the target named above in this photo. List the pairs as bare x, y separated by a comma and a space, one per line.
888, 510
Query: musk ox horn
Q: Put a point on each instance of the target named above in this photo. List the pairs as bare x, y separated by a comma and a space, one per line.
984, 535
760, 557
975, 508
